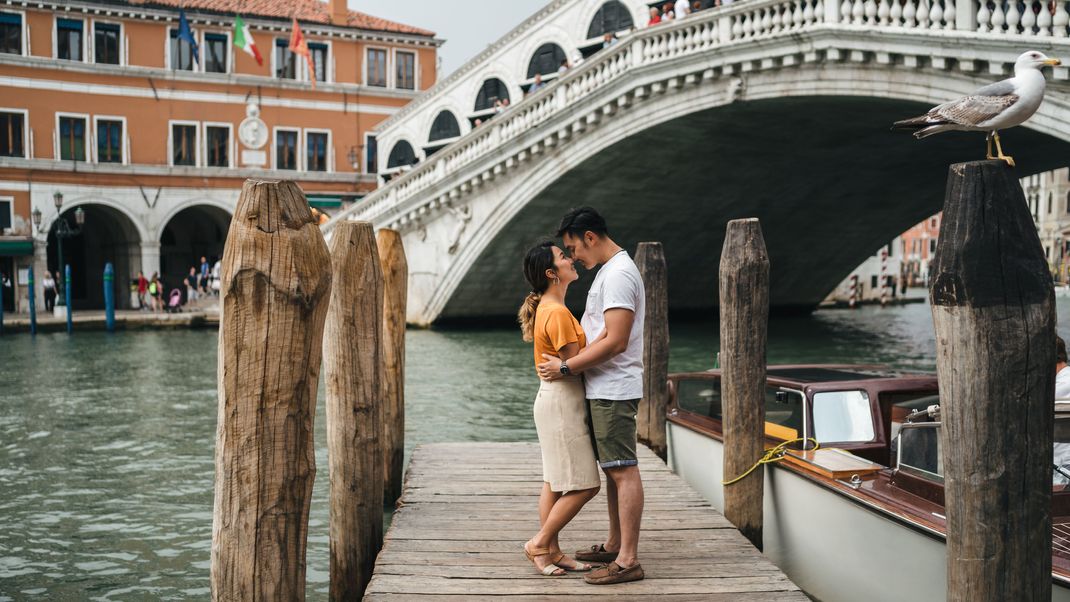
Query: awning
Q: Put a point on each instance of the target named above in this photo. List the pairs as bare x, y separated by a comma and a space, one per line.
324, 201
16, 247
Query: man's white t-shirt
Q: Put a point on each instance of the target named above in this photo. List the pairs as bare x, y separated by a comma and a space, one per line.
1062, 384
682, 9
617, 285
1061, 456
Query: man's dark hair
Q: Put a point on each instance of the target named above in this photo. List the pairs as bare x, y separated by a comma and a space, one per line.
1060, 349
580, 220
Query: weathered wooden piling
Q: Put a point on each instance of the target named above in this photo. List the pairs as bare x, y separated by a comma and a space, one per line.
650, 259
744, 304
276, 281
395, 300
994, 314
353, 361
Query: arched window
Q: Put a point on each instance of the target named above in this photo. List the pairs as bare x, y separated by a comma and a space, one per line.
493, 89
546, 60
611, 18
401, 154
445, 126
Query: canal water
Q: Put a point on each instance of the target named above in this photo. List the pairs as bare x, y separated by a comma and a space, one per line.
106, 441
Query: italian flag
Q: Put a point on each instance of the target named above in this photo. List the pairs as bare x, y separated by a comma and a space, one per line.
243, 39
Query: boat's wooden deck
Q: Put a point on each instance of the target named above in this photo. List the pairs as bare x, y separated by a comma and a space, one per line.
469, 507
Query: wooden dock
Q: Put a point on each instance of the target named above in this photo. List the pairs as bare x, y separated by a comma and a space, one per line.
469, 507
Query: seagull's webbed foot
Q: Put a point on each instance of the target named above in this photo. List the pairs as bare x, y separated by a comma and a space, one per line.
999, 152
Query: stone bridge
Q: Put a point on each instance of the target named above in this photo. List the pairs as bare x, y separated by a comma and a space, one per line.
778, 109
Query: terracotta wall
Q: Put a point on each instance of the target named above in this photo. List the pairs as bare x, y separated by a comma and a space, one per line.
39, 25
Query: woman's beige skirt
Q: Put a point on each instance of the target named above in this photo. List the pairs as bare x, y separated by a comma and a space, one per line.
568, 462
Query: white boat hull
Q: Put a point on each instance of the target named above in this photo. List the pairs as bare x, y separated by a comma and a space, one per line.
835, 548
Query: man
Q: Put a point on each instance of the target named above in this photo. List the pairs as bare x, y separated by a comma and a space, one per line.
536, 85
1061, 456
682, 8
613, 371
202, 282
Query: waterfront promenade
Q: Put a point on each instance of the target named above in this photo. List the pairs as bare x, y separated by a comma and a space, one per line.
468, 507
198, 317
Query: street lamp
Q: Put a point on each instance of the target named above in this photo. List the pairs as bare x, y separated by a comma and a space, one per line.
64, 230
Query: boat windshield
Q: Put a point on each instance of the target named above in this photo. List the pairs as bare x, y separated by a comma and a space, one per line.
842, 416
1061, 456
919, 450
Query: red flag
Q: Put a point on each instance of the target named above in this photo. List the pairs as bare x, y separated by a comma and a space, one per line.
299, 45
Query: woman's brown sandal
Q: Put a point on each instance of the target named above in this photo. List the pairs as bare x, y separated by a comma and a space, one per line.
550, 570
577, 566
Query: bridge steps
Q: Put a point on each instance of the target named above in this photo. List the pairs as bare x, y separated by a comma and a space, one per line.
469, 507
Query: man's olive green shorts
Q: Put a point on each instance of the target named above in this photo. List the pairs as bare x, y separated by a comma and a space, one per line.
613, 431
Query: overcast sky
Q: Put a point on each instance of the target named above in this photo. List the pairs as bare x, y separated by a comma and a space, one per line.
468, 26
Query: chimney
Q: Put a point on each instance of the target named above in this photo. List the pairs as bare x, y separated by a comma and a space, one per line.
339, 12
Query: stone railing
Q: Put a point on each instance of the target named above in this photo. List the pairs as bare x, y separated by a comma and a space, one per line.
488, 151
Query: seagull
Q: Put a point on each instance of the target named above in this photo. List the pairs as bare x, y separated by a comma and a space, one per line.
994, 107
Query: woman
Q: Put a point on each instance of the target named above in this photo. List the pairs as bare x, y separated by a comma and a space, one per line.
569, 471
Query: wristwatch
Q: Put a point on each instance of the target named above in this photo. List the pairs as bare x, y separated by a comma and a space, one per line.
564, 368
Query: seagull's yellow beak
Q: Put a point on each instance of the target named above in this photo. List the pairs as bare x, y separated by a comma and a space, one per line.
1053, 62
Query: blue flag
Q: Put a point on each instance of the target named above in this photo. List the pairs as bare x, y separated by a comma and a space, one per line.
184, 33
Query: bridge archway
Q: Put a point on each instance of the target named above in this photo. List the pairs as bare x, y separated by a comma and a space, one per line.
611, 17
444, 129
401, 155
197, 230
492, 89
756, 160
107, 235
546, 60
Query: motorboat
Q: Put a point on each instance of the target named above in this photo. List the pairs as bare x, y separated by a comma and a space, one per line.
862, 516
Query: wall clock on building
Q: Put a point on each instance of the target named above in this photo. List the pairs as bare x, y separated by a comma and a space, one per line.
253, 132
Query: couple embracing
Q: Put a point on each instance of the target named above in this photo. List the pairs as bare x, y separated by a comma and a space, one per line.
591, 380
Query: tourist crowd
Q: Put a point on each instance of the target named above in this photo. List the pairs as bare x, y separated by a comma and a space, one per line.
201, 281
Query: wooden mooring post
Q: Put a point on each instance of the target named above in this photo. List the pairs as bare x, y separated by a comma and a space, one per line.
994, 315
744, 304
354, 376
650, 259
395, 300
276, 282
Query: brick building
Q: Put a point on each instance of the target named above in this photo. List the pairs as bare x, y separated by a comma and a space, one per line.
108, 113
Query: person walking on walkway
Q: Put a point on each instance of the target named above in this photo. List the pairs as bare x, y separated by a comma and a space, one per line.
49, 286
192, 284
569, 471
142, 290
154, 291
612, 366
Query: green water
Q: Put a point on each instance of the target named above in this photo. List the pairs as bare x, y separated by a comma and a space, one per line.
106, 441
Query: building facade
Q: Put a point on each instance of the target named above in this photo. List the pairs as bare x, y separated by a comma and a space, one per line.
114, 112
1048, 196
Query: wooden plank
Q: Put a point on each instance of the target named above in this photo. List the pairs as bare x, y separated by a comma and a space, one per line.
460, 530
610, 593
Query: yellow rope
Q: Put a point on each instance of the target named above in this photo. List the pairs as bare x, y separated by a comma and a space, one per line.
773, 455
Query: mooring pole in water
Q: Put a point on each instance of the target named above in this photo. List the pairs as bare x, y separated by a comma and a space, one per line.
650, 259
994, 315
33, 301
395, 300
276, 284
67, 296
744, 304
109, 296
353, 361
